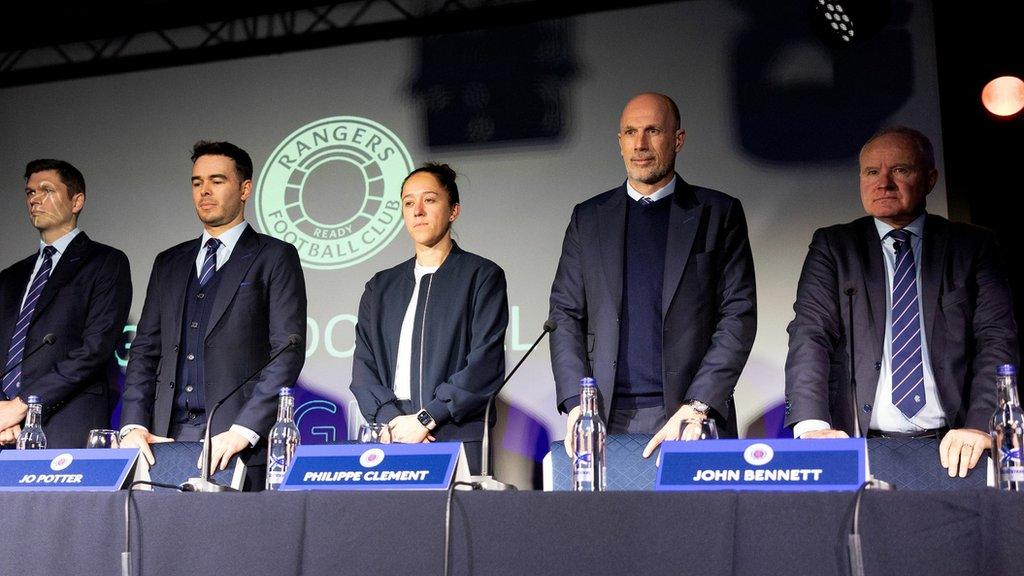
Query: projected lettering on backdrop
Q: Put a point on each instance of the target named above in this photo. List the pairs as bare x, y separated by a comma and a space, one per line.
327, 235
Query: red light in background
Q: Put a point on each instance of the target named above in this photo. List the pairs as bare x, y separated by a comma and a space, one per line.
1003, 96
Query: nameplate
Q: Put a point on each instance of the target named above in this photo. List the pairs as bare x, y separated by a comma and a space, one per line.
428, 466
86, 470
762, 464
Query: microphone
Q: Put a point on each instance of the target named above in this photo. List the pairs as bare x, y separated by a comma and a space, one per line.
48, 340
850, 291
485, 479
203, 482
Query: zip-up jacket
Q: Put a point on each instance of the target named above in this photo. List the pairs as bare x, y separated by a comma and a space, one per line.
460, 340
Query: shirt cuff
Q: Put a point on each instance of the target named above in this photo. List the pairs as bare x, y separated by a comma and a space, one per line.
249, 435
129, 427
804, 426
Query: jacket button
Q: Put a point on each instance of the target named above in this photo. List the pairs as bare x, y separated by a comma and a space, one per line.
170, 384
878, 366
615, 362
191, 356
194, 324
866, 408
189, 388
175, 347
200, 296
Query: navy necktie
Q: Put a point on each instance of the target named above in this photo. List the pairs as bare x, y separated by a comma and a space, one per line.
645, 201
12, 382
907, 368
210, 262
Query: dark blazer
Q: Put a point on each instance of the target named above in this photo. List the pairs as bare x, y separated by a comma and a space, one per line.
709, 309
968, 317
84, 305
463, 356
260, 302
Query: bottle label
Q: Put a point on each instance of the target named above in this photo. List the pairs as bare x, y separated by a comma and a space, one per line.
1011, 473
584, 467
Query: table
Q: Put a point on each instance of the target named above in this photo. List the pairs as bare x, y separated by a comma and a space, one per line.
515, 533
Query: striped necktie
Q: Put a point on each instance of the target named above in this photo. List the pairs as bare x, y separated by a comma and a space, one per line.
210, 262
12, 382
907, 369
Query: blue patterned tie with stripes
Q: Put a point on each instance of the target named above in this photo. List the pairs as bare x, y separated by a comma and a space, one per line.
12, 382
210, 262
907, 369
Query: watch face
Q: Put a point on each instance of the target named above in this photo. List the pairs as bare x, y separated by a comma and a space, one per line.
424, 418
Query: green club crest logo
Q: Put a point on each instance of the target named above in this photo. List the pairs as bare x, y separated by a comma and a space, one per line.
331, 189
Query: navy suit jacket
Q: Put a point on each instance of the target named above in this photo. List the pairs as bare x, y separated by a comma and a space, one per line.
968, 315
709, 310
260, 302
84, 305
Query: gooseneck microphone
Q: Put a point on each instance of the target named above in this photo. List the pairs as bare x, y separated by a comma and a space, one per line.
47, 340
486, 481
850, 290
203, 482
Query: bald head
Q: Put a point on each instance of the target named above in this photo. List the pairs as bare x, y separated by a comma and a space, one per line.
649, 139
654, 100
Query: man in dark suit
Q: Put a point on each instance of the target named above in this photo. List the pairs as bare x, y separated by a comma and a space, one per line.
73, 288
931, 316
216, 308
654, 294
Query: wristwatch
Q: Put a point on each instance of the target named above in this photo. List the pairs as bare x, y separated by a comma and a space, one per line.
426, 419
698, 407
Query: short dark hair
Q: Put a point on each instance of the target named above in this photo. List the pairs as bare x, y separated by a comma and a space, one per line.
445, 176
243, 163
69, 175
925, 150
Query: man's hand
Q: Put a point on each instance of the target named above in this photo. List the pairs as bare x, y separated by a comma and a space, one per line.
10, 435
141, 438
408, 430
828, 433
223, 447
670, 431
961, 449
570, 422
12, 412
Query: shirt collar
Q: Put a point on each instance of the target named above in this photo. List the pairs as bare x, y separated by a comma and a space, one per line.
229, 237
657, 195
62, 243
916, 228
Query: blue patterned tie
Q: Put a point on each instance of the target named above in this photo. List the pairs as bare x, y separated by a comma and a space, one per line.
210, 262
12, 382
645, 201
907, 370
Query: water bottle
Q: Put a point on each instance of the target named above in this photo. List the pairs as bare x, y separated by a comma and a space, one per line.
1008, 432
283, 440
588, 435
32, 436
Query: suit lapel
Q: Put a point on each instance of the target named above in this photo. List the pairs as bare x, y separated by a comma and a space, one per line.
611, 234
683, 221
232, 273
175, 284
17, 283
933, 258
70, 263
869, 248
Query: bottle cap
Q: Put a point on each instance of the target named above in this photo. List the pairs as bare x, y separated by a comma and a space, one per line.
285, 391
588, 382
1006, 370
34, 400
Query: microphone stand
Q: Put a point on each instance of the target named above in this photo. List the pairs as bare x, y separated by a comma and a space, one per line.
485, 480
203, 482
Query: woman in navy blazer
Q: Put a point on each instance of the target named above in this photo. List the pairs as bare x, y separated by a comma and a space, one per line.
430, 337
